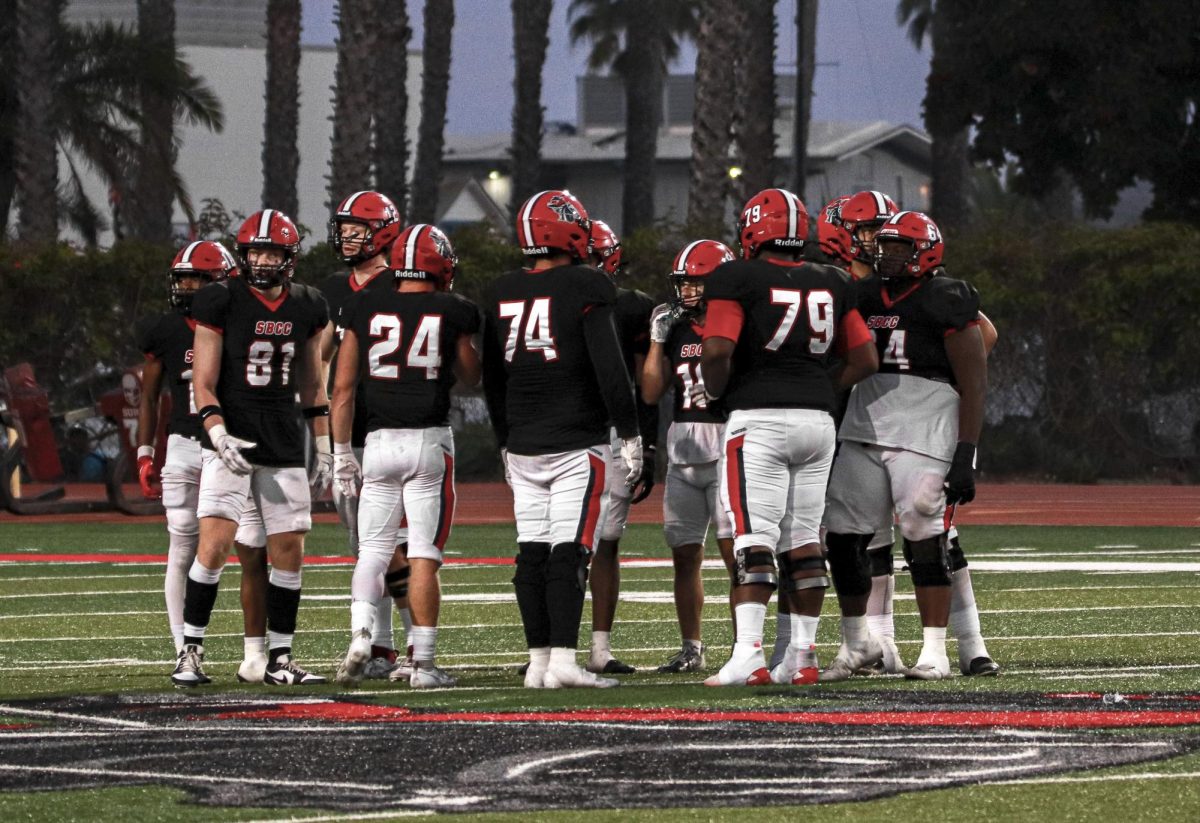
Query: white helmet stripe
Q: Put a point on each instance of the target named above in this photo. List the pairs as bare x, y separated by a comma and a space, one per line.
410, 248
187, 253
264, 225
526, 224
348, 203
683, 255
895, 218
793, 203
880, 203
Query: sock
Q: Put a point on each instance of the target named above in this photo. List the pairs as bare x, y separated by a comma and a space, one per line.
879, 606
694, 646
180, 556
964, 617
783, 630
539, 658
750, 617
254, 647
381, 635
424, 640
854, 631
600, 646
803, 630
362, 616
199, 597
283, 602
934, 648
562, 656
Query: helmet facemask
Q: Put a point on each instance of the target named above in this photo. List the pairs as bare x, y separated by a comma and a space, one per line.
264, 275
354, 246
693, 298
895, 257
180, 296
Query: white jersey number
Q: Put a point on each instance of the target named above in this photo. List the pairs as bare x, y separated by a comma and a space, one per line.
260, 362
424, 352
818, 308
537, 336
894, 353
689, 374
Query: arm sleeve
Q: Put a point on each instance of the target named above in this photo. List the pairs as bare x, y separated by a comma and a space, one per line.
210, 306
495, 378
604, 350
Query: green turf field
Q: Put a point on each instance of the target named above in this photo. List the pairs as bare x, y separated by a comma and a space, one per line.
1118, 623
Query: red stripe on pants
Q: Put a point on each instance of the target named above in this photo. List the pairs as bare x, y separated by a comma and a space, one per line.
735, 476
597, 484
446, 516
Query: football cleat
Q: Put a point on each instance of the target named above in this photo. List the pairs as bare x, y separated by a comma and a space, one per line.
379, 667
981, 667
431, 678
743, 670
252, 669
852, 658
798, 667
610, 666
685, 660
403, 669
929, 670
352, 668
189, 668
889, 663
570, 676
522, 669
284, 672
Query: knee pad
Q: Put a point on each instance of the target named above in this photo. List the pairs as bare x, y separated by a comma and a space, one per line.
531, 562
569, 561
882, 564
747, 558
183, 522
396, 582
849, 563
789, 566
928, 561
958, 560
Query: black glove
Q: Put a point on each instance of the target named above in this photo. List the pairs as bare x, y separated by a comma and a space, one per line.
960, 480
645, 483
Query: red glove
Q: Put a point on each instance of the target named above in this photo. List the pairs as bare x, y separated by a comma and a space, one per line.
148, 478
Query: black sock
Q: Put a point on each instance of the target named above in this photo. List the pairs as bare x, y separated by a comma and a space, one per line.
529, 581
198, 600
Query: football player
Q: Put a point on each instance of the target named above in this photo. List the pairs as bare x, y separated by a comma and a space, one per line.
406, 346
166, 341
691, 501
908, 437
632, 314
257, 348
554, 376
361, 233
773, 321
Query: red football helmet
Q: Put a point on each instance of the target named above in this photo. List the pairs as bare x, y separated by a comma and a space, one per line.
268, 229
774, 217
606, 248
909, 244
423, 252
377, 214
835, 241
554, 221
695, 262
866, 210
205, 259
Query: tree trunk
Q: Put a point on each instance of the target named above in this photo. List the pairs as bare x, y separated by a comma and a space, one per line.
531, 36
281, 155
712, 119
350, 155
8, 109
36, 150
806, 62
755, 125
435, 82
390, 58
949, 161
643, 76
152, 197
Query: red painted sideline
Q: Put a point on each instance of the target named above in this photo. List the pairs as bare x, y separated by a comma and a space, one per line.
357, 712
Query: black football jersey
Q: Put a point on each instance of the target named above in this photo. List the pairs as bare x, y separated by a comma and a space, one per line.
545, 391
407, 344
791, 317
339, 290
167, 338
261, 341
683, 348
632, 311
910, 328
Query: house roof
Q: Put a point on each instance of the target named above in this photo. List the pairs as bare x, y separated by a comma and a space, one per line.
831, 141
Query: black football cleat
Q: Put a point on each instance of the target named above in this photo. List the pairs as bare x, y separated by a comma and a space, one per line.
982, 667
612, 666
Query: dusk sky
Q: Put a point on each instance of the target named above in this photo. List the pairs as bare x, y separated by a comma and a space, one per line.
873, 72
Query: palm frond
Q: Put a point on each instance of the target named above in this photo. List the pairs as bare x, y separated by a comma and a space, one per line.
77, 209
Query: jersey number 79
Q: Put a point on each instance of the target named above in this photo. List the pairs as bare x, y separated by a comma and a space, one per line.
818, 312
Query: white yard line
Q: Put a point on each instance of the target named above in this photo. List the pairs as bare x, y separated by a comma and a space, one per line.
102, 721
273, 782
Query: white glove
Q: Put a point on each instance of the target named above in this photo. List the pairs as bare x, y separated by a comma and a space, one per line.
346, 471
507, 472
699, 395
662, 320
322, 470
229, 449
631, 453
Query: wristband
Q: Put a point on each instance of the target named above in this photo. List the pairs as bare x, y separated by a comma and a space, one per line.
209, 411
316, 411
145, 451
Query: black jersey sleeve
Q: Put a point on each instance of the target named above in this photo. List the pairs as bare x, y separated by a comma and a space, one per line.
604, 350
641, 309
147, 337
467, 317
320, 310
210, 306
495, 375
724, 283
952, 304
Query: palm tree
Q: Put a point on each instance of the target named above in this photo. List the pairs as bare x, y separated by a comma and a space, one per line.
637, 39
8, 102
39, 23
712, 117
390, 57
350, 155
152, 194
280, 155
435, 84
754, 129
806, 64
950, 164
531, 36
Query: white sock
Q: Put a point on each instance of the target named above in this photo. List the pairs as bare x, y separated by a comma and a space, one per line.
254, 647
600, 645
854, 631
284, 579
362, 616
964, 617
561, 656
424, 640
879, 606
201, 574
692, 646
750, 617
539, 658
180, 555
803, 630
382, 633
934, 648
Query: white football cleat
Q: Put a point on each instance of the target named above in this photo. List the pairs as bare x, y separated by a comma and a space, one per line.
743, 670
570, 676
892, 664
350, 671
253, 669
798, 667
926, 669
431, 678
404, 668
852, 658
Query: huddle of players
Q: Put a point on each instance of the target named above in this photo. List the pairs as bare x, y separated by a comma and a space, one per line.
758, 449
